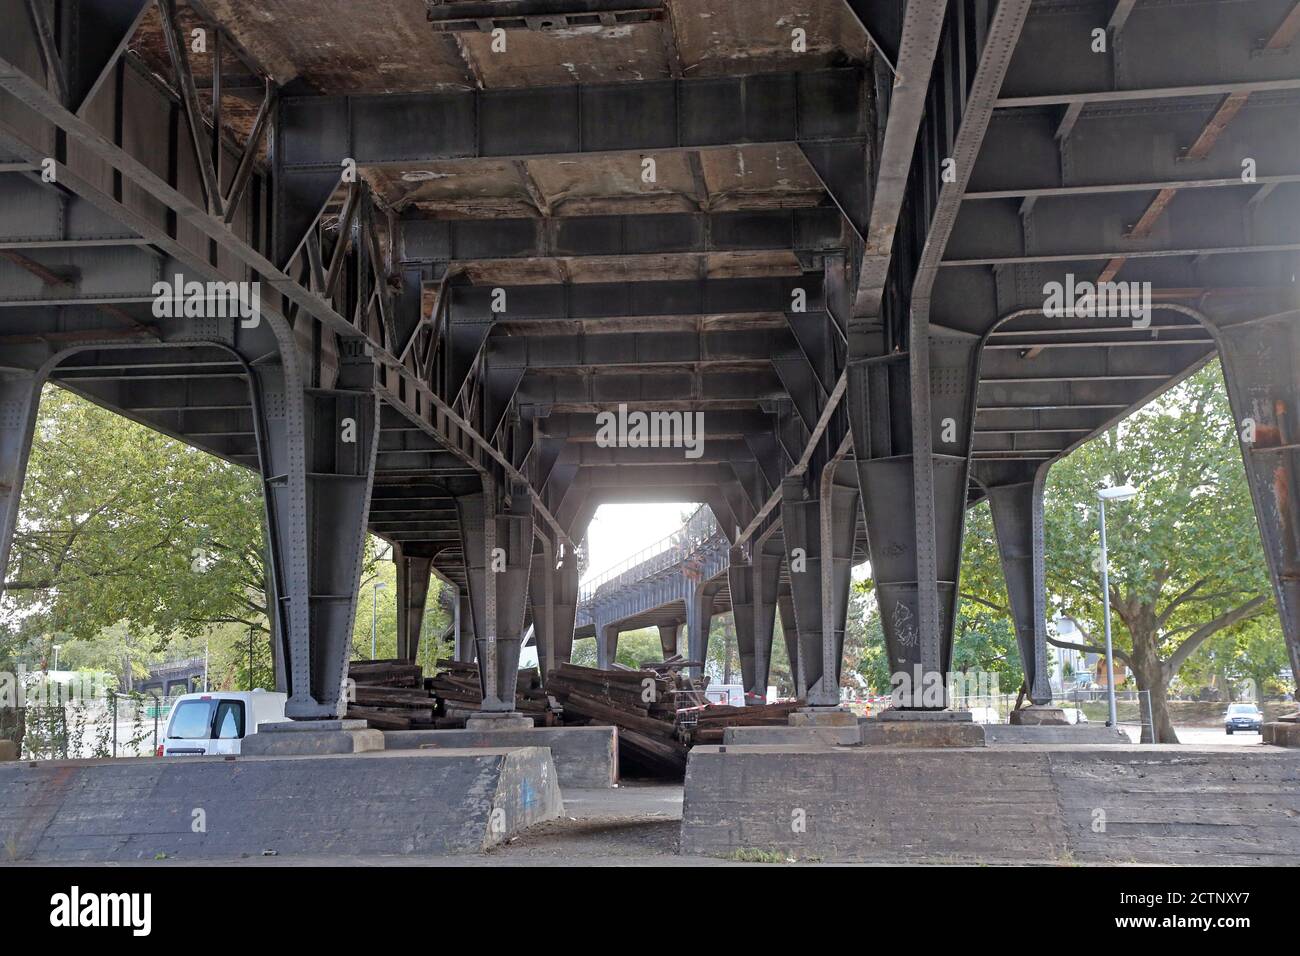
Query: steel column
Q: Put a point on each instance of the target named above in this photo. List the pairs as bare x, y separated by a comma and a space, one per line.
740, 582
607, 646
699, 618
498, 549
802, 523
541, 598
20, 396
413, 579
668, 634
1018, 522
317, 456
1261, 366
766, 566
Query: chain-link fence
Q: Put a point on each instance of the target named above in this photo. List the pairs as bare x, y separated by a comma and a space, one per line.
114, 725
1132, 709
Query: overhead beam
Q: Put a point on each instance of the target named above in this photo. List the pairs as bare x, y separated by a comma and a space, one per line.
319, 132
454, 240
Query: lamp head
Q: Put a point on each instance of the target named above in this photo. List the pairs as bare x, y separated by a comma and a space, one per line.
1121, 493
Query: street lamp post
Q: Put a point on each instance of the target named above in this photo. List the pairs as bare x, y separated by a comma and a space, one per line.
1122, 493
374, 615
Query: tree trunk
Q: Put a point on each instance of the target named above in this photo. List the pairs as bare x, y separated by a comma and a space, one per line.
1148, 671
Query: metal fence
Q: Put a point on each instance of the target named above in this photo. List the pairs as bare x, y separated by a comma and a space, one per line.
116, 725
1132, 708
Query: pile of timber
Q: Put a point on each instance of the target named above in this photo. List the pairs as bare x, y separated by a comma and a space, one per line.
706, 725
456, 687
640, 703
390, 694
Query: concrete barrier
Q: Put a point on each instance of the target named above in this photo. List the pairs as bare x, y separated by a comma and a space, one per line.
1103, 803
204, 808
995, 734
584, 757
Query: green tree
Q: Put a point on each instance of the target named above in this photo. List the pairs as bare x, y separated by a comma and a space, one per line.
119, 524
1185, 558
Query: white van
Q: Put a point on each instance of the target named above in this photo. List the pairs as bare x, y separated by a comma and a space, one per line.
218, 721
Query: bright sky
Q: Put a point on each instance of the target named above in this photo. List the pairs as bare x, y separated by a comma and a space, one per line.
619, 531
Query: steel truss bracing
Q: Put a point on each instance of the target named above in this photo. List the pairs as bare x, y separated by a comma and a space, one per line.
842, 269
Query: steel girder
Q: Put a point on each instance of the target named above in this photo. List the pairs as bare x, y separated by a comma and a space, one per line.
1162, 50
821, 110
808, 232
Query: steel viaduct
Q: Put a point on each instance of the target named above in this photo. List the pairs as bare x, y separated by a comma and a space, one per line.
473, 226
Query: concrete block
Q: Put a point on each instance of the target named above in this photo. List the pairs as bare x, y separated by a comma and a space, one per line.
309, 742
8, 750
1165, 804
1036, 715
823, 717
584, 757
1281, 733
311, 726
488, 720
926, 716
409, 802
832, 736
921, 733
1002, 734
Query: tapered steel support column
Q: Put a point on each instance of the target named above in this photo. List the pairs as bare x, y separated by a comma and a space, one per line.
740, 581
813, 592
566, 604
766, 572
887, 484
789, 634
1018, 522
606, 646
317, 458
699, 618
413, 574
1261, 366
541, 597
668, 638
20, 396
498, 549
466, 649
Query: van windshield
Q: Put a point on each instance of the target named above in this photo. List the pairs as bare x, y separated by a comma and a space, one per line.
192, 720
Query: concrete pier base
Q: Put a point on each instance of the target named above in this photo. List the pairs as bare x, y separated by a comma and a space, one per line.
584, 757
810, 736
312, 737
1002, 734
491, 720
1037, 715
1150, 804
397, 803
822, 717
922, 728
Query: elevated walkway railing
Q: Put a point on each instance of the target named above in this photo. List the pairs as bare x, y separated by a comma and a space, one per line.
699, 530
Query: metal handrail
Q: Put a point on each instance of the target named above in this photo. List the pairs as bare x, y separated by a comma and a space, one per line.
699, 528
